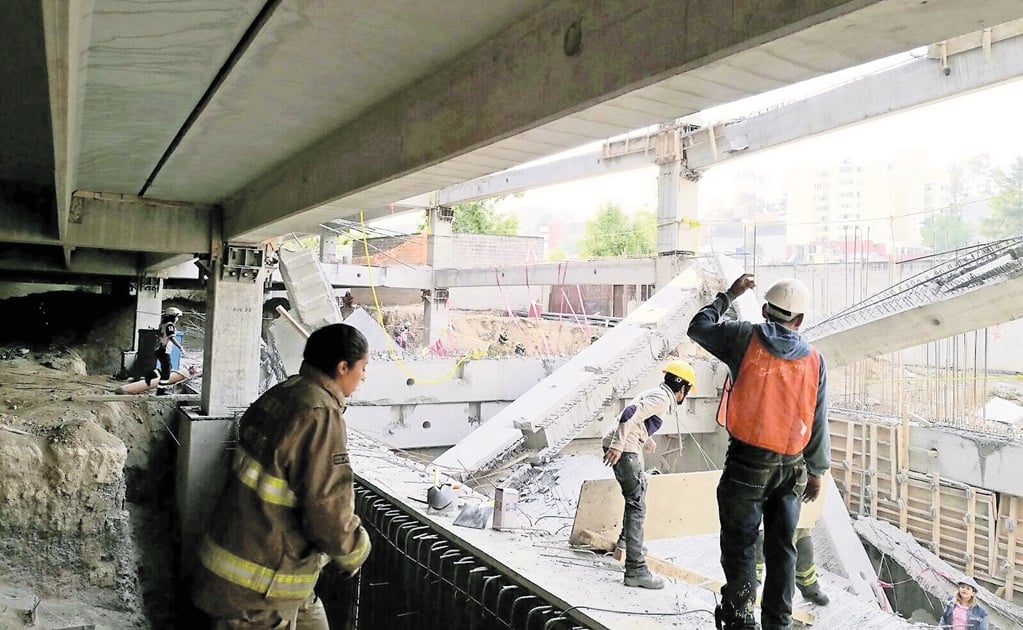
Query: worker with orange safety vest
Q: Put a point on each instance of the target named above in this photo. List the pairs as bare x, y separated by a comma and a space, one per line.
774, 407
288, 507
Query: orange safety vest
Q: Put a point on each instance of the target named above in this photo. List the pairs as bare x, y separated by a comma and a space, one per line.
772, 402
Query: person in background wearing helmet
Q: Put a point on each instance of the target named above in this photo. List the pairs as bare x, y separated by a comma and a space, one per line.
623, 450
962, 610
775, 410
167, 334
288, 507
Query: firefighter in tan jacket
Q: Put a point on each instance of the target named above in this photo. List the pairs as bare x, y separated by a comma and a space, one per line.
289, 506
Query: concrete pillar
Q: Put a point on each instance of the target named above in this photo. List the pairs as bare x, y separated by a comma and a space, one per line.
148, 306
438, 256
677, 228
677, 205
328, 246
234, 303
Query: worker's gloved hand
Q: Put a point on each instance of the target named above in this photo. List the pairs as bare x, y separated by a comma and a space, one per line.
649, 446
813, 488
350, 562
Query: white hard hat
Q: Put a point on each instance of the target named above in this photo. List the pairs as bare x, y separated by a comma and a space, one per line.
787, 298
173, 310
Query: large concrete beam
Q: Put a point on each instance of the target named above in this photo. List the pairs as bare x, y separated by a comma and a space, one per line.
621, 271
87, 262
979, 460
976, 289
392, 276
904, 87
64, 24
854, 102
891, 330
576, 167
553, 412
120, 222
477, 99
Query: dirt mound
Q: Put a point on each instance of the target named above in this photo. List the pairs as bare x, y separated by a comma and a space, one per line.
480, 331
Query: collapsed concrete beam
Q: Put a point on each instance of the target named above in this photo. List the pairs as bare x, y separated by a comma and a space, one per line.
976, 290
557, 409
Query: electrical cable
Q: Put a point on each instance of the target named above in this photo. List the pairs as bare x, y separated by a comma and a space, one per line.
390, 342
680, 613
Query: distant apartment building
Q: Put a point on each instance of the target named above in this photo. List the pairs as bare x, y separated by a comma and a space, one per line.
863, 206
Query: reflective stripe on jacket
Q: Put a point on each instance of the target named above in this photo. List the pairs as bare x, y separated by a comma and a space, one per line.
288, 505
771, 404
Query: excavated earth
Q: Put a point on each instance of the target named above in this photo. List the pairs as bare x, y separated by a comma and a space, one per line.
86, 535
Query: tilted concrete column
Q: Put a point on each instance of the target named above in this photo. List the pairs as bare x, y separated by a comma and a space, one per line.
328, 246
438, 256
148, 306
234, 298
677, 229
677, 205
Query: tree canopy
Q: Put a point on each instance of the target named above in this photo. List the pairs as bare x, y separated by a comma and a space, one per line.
483, 217
613, 233
945, 231
1007, 203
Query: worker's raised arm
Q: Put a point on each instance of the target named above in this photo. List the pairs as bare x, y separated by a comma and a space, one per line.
725, 339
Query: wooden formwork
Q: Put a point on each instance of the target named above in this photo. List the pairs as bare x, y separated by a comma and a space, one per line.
971, 528
864, 461
1010, 539
956, 521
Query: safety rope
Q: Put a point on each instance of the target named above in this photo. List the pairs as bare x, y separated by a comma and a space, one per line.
391, 349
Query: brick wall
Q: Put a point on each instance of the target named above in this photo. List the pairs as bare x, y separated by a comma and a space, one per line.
468, 251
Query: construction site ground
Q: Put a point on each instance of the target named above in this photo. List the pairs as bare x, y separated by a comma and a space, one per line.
87, 518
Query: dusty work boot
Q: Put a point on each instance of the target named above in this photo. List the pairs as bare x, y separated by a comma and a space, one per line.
813, 593
644, 580
722, 621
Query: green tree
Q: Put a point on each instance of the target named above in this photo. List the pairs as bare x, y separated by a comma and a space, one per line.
483, 217
945, 231
556, 255
613, 233
1007, 204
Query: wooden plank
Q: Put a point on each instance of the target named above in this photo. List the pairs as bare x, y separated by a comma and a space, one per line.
847, 460
936, 504
668, 569
1010, 551
873, 470
903, 466
669, 507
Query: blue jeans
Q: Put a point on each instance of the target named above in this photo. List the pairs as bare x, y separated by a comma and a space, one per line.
759, 485
629, 473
